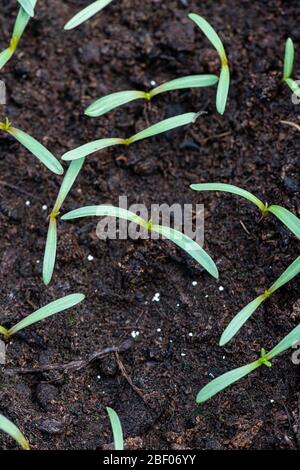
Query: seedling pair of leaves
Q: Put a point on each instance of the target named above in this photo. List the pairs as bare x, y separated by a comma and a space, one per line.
227, 379
287, 218
26, 11
35, 147
114, 100
288, 67
47, 311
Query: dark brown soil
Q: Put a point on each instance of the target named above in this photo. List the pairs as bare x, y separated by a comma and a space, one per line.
50, 81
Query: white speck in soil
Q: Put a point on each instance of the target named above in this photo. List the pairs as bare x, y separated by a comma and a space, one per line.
190, 334
156, 297
90, 258
158, 330
194, 283
153, 83
27, 203
177, 305
206, 296
272, 401
135, 334
211, 375
44, 207
221, 288
37, 261
183, 354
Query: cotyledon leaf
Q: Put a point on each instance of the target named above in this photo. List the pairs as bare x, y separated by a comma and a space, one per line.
288, 341
116, 428
50, 251
210, 33
190, 81
288, 59
293, 86
68, 181
13, 431
223, 89
28, 6
291, 272
86, 13
287, 218
91, 147
5, 56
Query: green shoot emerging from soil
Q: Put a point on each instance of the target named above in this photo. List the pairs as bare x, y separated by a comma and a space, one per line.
114, 100
163, 126
180, 239
238, 321
51, 243
37, 149
285, 216
224, 79
116, 428
288, 67
51, 309
86, 13
11, 429
25, 12
227, 379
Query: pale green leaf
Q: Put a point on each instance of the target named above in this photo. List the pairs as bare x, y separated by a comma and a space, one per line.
68, 181
28, 6
5, 56
291, 272
287, 218
11, 429
288, 59
21, 22
292, 338
238, 321
190, 246
164, 126
191, 81
224, 381
293, 86
109, 102
223, 88
86, 13
210, 33
38, 150
51, 309
229, 188
50, 252
91, 147
116, 429
103, 210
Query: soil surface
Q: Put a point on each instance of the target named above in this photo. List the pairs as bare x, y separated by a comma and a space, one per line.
153, 383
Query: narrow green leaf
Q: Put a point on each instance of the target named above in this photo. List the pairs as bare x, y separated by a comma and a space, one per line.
5, 56
164, 126
288, 59
91, 147
3, 331
191, 81
28, 6
287, 218
190, 246
238, 321
50, 251
103, 210
86, 13
229, 188
116, 429
224, 381
38, 150
293, 86
210, 33
223, 88
292, 338
291, 272
21, 23
68, 181
51, 309
11, 429
114, 100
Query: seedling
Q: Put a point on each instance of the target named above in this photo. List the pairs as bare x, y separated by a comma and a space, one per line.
285, 216
86, 13
238, 321
116, 428
37, 149
11, 429
24, 15
163, 126
224, 79
288, 67
114, 100
227, 379
47, 311
180, 239
51, 243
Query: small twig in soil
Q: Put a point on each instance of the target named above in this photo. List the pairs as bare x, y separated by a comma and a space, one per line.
20, 190
244, 227
126, 376
292, 124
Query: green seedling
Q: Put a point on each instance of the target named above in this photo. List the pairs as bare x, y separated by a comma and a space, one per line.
227, 379
37, 149
238, 321
285, 216
180, 239
163, 126
288, 67
11, 429
114, 100
47, 311
86, 13
51, 242
224, 79
19, 28
116, 428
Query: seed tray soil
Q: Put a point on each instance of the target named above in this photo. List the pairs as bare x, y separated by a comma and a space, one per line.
50, 81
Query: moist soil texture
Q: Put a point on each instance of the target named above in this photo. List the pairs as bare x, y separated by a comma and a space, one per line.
151, 379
